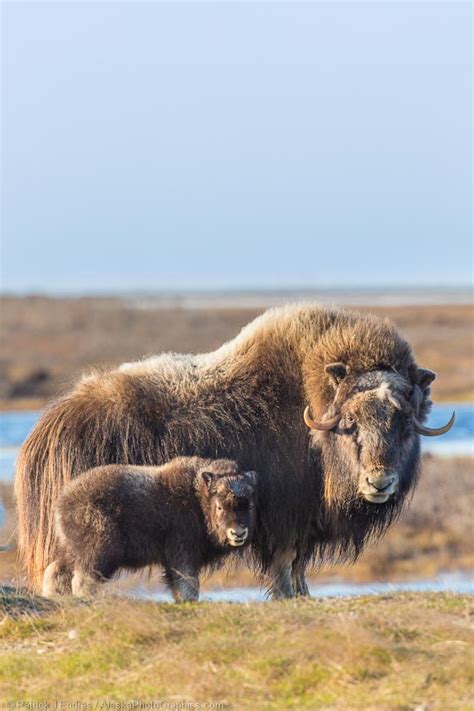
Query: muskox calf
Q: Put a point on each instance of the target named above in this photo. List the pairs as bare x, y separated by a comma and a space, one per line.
184, 515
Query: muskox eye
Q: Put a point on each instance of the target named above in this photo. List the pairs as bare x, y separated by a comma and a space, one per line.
347, 422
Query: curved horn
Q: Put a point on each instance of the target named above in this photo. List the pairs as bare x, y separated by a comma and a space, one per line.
434, 431
313, 425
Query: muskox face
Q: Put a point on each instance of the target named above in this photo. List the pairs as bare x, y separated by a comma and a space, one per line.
369, 438
231, 506
379, 440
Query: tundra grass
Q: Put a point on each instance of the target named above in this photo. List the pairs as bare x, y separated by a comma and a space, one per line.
399, 651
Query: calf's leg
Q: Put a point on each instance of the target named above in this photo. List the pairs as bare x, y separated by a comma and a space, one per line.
183, 581
98, 568
52, 579
84, 584
57, 579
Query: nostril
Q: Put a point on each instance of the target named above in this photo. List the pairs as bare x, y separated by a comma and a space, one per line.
237, 532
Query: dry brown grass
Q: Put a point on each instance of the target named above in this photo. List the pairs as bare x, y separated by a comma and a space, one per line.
47, 342
392, 652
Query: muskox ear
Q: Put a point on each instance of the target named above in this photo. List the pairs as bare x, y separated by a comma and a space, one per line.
251, 478
208, 478
337, 372
425, 377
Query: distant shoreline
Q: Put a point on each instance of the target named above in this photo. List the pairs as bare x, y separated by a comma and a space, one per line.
48, 342
263, 298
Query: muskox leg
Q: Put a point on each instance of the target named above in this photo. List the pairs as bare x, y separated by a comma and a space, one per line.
281, 585
301, 586
183, 581
57, 579
299, 578
84, 584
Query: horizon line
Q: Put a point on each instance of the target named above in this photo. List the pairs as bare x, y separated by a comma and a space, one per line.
230, 290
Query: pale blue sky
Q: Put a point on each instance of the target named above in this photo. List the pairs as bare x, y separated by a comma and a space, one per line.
169, 145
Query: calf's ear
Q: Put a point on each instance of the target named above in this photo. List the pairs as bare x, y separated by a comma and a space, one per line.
251, 478
207, 478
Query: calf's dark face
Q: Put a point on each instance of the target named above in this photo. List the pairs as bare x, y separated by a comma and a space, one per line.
231, 504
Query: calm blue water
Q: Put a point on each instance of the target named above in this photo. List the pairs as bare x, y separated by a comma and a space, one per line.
447, 582
15, 426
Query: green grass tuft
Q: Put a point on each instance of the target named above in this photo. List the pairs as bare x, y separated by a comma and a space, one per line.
387, 652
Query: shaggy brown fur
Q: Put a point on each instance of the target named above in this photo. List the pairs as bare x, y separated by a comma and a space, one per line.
185, 515
243, 401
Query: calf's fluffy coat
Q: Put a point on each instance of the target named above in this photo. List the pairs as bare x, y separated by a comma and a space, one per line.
184, 515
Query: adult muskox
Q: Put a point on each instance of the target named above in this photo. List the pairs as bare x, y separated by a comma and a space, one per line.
323, 491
